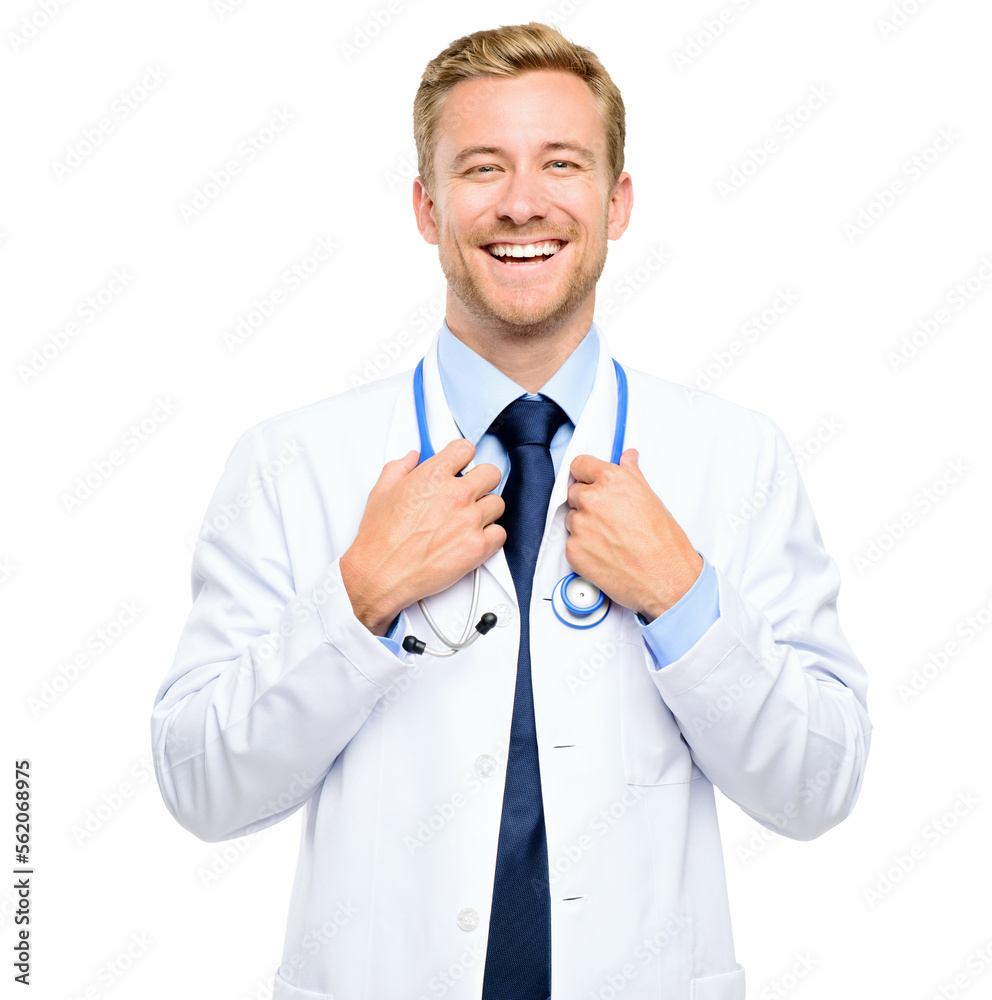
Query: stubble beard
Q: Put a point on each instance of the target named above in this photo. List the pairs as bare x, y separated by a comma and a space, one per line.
510, 319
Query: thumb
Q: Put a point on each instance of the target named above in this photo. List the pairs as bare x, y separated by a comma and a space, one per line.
628, 460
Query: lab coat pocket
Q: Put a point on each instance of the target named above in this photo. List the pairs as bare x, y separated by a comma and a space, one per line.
654, 752
281, 990
728, 986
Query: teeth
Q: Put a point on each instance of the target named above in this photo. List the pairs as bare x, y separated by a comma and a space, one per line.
524, 250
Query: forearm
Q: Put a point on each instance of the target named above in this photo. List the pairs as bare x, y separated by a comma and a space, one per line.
273, 674
242, 743
774, 717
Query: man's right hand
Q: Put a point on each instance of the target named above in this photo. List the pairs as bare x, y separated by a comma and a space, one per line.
423, 529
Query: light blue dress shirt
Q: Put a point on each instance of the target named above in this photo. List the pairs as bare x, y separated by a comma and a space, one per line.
477, 392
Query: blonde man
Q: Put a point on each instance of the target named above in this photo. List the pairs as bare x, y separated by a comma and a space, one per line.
533, 814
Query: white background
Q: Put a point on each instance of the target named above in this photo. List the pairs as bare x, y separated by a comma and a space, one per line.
121, 907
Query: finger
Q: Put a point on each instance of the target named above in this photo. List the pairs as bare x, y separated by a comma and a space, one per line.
393, 471
454, 456
586, 468
484, 478
490, 508
495, 538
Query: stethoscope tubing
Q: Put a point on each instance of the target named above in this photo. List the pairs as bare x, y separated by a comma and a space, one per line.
466, 639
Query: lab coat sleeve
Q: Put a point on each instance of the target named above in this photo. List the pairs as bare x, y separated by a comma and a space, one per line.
772, 700
273, 676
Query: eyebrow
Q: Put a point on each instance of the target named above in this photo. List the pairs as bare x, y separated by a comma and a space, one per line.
556, 147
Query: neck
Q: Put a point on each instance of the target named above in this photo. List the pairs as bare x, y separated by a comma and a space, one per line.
529, 355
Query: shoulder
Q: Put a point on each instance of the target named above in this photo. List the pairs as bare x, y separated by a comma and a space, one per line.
348, 420
707, 418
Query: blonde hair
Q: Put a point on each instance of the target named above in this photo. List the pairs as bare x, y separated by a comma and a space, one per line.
507, 51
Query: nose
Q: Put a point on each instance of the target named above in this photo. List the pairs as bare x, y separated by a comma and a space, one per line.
523, 197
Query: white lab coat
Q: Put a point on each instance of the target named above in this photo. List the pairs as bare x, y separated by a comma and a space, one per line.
279, 698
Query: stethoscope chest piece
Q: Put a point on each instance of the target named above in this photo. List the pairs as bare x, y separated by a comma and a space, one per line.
578, 603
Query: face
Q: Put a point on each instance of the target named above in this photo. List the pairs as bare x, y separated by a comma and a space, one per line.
521, 168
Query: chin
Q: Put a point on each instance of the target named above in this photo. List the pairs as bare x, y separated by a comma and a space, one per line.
539, 319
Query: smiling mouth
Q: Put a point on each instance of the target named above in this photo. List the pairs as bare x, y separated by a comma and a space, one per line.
525, 253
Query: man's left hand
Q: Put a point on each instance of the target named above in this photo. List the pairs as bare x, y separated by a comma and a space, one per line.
624, 540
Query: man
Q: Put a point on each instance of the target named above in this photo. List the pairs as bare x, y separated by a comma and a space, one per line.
532, 815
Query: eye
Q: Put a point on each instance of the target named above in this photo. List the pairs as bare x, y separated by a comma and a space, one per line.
486, 167
561, 163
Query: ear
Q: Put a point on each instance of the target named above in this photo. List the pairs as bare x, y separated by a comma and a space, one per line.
423, 210
621, 203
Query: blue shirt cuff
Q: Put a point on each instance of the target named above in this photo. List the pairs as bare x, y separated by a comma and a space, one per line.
390, 641
674, 632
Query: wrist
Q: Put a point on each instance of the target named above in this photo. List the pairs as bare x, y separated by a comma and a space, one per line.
671, 591
368, 606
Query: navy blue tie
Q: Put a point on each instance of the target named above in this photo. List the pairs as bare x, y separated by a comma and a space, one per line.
518, 959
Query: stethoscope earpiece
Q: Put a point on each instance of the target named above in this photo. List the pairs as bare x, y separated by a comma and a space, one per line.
414, 645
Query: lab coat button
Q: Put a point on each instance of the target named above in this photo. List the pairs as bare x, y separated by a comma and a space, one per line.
485, 765
468, 919
504, 615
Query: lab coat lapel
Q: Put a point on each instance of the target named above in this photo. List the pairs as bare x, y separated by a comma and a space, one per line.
593, 435
442, 428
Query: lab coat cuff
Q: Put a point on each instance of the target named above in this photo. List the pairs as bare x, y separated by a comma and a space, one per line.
674, 632
366, 652
709, 651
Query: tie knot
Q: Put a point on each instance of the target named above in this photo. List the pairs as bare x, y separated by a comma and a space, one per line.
528, 421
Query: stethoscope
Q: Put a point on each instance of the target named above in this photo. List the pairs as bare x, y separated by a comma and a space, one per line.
576, 601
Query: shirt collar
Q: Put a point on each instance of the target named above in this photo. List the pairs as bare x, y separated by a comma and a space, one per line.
477, 392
